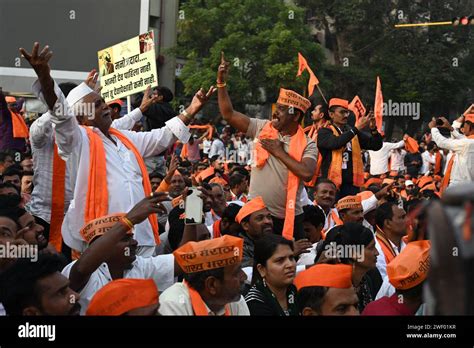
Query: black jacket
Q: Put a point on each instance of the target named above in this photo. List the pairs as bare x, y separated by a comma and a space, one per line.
327, 142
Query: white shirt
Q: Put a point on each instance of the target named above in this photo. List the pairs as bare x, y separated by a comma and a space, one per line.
386, 289
427, 160
463, 166
381, 263
206, 146
124, 179
330, 223
379, 159
42, 148
176, 301
159, 268
397, 160
217, 148
308, 258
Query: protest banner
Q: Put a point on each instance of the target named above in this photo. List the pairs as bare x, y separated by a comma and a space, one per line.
128, 67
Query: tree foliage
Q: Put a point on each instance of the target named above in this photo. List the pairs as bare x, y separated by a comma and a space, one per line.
260, 39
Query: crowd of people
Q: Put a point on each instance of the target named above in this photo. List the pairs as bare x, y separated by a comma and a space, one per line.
327, 219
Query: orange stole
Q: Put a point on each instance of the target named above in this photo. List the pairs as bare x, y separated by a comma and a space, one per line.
298, 143
216, 228
20, 129
57, 200
387, 248
97, 193
199, 307
438, 159
335, 169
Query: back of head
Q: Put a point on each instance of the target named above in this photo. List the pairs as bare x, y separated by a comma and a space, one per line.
236, 179
314, 215
166, 93
344, 235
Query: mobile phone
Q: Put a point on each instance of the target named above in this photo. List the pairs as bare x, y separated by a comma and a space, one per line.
193, 208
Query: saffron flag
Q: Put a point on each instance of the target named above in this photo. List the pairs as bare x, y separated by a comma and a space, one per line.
302, 66
378, 108
357, 107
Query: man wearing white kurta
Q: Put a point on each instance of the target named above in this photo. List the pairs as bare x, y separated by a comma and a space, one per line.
42, 148
379, 159
123, 174
461, 146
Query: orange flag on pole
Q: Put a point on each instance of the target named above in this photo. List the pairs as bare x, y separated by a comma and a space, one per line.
378, 108
302, 66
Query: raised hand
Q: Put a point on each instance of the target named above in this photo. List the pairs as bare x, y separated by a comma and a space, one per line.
223, 70
148, 99
38, 61
200, 99
148, 205
363, 122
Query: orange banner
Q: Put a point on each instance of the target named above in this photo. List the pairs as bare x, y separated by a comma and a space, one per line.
357, 107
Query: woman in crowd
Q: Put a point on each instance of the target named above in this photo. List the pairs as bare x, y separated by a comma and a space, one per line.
272, 291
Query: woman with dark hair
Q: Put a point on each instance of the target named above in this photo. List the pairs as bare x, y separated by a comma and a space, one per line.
272, 291
354, 244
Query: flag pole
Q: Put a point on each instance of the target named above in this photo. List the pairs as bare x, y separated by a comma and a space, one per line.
322, 95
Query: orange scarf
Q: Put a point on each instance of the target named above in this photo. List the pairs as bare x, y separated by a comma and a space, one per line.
437, 168
447, 175
337, 222
335, 169
199, 307
312, 132
386, 246
20, 129
97, 193
216, 228
298, 143
209, 128
57, 200
184, 151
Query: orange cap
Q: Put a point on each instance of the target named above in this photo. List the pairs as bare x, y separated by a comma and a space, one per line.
431, 187
122, 295
349, 202
116, 101
250, 207
327, 275
291, 98
411, 145
209, 254
469, 117
203, 175
410, 267
218, 180
424, 180
10, 99
371, 181
99, 226
338, 102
